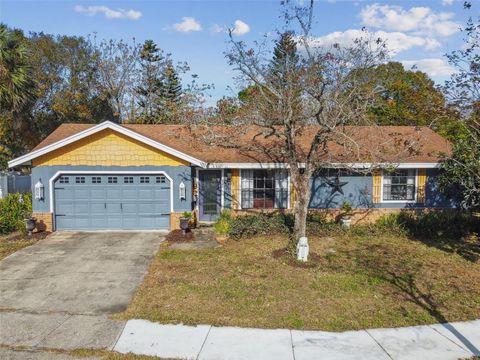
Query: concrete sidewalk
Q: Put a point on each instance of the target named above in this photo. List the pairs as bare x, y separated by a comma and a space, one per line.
441, 341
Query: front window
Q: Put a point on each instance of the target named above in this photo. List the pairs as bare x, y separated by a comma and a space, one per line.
264, 189
399, 185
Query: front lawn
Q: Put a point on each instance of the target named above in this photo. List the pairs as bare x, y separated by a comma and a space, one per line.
358, 282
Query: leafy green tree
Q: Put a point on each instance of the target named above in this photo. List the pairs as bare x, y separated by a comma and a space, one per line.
16, 83
461, 176
17, 89
408, 97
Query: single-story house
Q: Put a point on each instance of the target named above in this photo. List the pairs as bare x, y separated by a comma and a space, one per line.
131, 176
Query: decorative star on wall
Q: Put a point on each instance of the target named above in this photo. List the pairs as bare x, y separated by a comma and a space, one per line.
336, 185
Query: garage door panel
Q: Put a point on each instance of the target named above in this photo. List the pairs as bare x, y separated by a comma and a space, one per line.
62, 194
97, 192
81, 193
129, 194
114, 193
98, 222
100, 203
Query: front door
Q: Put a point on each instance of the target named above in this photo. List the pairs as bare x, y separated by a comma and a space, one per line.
210, 194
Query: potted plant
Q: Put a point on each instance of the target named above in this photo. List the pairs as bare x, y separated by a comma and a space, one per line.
346, 215
185, 221
30, 223
222, 227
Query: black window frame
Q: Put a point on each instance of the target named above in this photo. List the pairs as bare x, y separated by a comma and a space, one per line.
112, 180
144, 179
79, 179
128, 180
64, 180
161, 179
96, 179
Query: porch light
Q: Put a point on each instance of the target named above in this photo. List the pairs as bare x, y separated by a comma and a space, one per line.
39, 190
182, 191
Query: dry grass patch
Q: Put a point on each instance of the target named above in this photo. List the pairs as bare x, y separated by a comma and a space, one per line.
359, 282
14, 242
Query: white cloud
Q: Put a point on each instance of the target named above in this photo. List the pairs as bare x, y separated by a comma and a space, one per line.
240, 28
109, 13
396, 41
447, 2
217, 29
433, 67
420, 20
188, 24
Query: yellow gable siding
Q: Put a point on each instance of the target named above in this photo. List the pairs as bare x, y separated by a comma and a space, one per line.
108, 148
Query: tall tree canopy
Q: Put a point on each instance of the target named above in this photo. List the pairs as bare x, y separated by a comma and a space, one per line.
408, 97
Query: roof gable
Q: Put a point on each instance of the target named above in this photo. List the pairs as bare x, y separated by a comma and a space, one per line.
60, 138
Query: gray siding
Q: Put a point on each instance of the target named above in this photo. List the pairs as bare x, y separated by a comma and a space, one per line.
177, 173
358, 192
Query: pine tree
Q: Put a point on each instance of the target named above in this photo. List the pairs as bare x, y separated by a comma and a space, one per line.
152, 87
173, 86
285, 57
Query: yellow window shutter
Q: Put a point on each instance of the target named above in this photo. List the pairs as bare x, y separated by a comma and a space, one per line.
421, 183
235, 184
377, 187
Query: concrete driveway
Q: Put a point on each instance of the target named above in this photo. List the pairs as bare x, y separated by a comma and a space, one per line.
59, 292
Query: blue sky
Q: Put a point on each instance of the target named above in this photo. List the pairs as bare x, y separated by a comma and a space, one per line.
419, 32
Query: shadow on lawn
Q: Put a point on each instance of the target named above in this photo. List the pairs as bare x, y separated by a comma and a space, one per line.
403, 276
467, 247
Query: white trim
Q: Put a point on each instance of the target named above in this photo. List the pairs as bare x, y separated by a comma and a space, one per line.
414, 201
333, 165
222, 191
94, 129
240, 189
289, 187
58, 173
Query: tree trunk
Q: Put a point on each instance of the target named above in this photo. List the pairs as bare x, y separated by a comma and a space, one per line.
301, 183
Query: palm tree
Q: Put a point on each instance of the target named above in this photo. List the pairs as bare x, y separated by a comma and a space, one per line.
16, 83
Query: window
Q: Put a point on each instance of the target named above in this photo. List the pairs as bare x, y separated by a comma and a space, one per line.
112, 180
161, 179
96, 180
64, 180
399, 185
80, 180
144, 180
264, 189
128, 179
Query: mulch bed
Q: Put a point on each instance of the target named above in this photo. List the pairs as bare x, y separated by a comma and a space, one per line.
314, 259
176, 236
23, 237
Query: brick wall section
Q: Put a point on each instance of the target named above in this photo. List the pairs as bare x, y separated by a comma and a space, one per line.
175, 220
44, 221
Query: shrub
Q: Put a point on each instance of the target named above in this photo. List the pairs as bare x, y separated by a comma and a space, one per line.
14, 208
260, 224
431, 224
222, 226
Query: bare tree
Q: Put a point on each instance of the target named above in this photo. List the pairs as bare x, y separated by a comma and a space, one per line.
303, 108
117, 64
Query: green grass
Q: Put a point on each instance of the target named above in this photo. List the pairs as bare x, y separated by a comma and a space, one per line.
356, 282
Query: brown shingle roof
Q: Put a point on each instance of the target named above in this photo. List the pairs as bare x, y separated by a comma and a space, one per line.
399, 144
